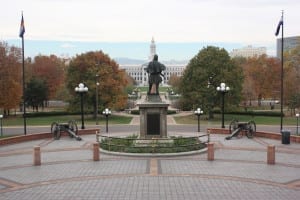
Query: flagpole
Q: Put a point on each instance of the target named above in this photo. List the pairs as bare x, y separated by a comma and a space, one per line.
22, 31
281, 96
23, 69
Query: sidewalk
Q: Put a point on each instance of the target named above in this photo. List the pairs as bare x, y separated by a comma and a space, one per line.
68, 171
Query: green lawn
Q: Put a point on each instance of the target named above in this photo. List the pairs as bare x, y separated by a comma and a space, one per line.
145, 89
88, 119
192, 119
115, 119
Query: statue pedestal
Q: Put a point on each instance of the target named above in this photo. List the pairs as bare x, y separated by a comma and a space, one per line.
153, 117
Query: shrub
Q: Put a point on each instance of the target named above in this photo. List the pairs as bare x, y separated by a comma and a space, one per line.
179, 144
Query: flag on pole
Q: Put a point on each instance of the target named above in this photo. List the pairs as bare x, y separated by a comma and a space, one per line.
22, 27
278, 26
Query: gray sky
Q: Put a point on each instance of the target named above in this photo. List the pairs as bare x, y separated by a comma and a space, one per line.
251, 22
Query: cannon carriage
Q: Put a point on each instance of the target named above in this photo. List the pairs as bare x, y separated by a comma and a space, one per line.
236, 128
70, 127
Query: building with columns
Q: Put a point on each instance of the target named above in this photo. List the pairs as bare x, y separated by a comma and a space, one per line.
138, 73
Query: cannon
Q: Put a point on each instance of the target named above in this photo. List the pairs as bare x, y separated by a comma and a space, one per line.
236, 127
70, 127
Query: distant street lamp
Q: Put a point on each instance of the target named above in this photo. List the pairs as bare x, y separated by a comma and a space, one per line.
1, 117
81, 89
198, 112
97, 88
106, 112
223, 89
297, 116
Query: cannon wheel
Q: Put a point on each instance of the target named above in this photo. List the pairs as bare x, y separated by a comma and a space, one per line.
55, 130
73, 127
233, 125
251, 129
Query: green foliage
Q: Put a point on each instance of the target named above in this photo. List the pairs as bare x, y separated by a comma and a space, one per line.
252, 113
46, 118
171, 112
36, 93
137, 112
295, 101
128, 145
204, 73
53, 113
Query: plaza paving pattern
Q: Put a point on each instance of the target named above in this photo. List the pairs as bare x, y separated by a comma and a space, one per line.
239, 171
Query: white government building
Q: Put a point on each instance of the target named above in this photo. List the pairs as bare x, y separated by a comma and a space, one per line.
138, 73
248, 51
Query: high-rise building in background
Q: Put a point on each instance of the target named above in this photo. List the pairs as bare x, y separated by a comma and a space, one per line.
288, 44
138, 73
248, 52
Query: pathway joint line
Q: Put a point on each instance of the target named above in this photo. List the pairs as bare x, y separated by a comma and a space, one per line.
153, 167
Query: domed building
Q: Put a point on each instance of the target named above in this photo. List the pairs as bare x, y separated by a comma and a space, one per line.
138, 73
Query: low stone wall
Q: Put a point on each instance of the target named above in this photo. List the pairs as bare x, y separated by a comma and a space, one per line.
271, 135
38, 136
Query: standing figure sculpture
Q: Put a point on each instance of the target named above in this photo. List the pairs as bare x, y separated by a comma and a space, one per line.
154, 70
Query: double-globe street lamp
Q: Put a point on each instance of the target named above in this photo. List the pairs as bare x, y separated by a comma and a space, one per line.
81, 89
198, 112
106, 112
223, 89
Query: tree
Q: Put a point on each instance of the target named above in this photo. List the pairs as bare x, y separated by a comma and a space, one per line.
10, 73
112, 81
51, 70
292, 78
36, 93
262, 78
204, 73
174, 81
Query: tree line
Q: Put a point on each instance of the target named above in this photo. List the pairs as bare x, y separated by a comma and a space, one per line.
251, 80
51, 77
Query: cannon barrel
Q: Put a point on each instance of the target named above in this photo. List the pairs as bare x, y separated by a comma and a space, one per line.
73, 134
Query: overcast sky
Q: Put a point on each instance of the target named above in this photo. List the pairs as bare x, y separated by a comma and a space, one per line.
251, 22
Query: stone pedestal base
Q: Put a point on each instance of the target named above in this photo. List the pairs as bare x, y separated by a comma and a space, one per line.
153, 119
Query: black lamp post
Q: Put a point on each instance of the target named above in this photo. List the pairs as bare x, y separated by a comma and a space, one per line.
97, 88
297, 116
81, 89
1, 117
223, 89
106, 112
198, 112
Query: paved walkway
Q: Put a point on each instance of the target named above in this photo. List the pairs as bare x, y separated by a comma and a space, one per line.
68, 171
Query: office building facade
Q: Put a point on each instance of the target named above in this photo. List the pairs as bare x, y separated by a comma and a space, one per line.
288, 44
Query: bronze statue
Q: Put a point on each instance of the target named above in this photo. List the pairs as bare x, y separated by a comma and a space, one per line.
154, 70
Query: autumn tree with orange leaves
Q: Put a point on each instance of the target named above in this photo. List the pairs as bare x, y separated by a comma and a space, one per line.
261, 79
49, 69
112, 81
10, 81
292, 78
